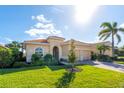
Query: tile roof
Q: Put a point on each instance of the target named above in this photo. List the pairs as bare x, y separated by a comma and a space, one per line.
38, 40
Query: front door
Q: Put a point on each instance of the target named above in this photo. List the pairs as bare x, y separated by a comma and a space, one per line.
56, 53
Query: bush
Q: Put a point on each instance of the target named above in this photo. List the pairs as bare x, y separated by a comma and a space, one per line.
104, 58
23, 59
21, 64
62, 59
5, 57
49, 60
36, 60
37, 63
35, 57
93, 56
121, 53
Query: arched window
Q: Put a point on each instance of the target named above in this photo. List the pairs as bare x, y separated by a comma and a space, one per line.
39, 51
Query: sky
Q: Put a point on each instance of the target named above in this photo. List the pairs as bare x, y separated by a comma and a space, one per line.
20, 23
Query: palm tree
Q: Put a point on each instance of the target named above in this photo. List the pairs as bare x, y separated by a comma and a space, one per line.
99, 47
105, 47
102, 48
111, 30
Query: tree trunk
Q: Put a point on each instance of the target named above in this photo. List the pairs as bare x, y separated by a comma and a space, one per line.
112, 44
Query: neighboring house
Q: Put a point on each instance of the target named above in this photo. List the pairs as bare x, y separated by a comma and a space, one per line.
59, 48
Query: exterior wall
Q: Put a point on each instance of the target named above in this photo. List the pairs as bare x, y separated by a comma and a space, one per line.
56, 42
30, 49
108, 52
65, 51
82, 50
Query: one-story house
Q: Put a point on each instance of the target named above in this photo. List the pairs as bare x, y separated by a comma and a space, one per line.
59, 48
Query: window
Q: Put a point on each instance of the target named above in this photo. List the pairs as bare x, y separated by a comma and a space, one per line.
39, 51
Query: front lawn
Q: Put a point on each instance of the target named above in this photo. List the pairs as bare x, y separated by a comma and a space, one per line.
57, 76
119, 62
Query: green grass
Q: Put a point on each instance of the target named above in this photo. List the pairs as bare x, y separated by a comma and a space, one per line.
119, 62
121, 57
57, 76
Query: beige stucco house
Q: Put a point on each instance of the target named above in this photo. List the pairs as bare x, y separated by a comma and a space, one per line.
59, 48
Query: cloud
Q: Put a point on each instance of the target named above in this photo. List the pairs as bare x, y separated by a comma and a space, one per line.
43, 28
41, 18
122, 25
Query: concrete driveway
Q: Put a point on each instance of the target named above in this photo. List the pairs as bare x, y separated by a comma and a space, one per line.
106, 65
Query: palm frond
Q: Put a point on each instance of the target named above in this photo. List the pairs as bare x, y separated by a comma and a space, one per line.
114, 24
106, 24
107, 36
104, 31
118, 38
102, 36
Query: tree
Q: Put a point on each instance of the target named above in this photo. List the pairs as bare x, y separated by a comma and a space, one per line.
102, 48
71, 55
99, 47
14, 44
5, 56
111, 30
16, 53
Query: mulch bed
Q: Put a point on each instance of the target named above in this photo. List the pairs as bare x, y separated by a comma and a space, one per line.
74, 70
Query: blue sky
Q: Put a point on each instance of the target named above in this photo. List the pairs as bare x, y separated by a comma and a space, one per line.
30, 22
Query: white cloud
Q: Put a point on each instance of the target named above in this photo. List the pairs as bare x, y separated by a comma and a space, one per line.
41, 18
43, 28
122, 25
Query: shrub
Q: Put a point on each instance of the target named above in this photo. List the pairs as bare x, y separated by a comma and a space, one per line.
5, 57
20, 64
104, 58
36, 60
93, 56
23, 59
35, 57
121, 52
62, 59
37, 63
49, 60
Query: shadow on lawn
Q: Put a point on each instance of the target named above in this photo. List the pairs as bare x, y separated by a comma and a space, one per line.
65, 80
14, 70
